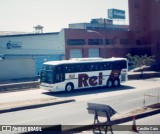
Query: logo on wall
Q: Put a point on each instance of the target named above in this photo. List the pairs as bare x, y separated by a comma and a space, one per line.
13, 45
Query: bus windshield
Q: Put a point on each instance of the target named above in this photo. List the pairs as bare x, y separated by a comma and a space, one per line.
52, 74
47, 76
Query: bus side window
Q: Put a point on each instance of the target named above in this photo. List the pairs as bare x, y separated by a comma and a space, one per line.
67, 69
104, 66
99, 66
94, 67
79, 68
86, 67
91, 67
107, 66
70, 68
120, 65
115, 65
59, 77
123, 64
111, 65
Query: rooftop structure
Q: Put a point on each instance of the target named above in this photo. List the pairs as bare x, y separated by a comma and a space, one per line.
100, 24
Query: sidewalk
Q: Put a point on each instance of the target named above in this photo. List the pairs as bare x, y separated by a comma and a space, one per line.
31, 104
18, 80
145, 75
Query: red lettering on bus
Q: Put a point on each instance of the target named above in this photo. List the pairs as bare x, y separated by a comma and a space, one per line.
93, 80
85, 80
82, 80
100, 78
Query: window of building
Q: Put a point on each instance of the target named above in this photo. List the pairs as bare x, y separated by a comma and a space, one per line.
138, 30
124, 41
95, 42
75, 42
97, 28
136, 4
138, 42
89, 28
137, 19
109, 41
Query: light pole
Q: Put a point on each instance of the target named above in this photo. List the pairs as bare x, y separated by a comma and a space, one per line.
92, 31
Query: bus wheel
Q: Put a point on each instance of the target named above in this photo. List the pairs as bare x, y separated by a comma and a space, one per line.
116, 83
109, 83
69, 87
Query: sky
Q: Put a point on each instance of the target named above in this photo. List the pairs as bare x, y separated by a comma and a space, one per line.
53, 15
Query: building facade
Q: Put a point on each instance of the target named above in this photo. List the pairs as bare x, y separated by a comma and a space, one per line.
99, 38
145, 24
107, 40
99, 24
13, 69
43, 47
99, 43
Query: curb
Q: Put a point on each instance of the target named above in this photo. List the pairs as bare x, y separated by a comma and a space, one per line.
33, 106
18, 86
138, 116
145, 75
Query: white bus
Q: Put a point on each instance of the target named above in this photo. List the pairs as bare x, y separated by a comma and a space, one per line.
79, 73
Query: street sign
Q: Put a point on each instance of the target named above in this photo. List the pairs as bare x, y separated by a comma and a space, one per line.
101, 110
116, 14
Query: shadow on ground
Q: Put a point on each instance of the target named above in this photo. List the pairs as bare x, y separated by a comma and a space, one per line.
88, 91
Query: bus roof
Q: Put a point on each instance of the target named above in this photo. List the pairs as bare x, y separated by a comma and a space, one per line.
83, 60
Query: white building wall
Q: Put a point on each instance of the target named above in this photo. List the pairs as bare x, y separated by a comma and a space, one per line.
43, 47
36, 44
17, 69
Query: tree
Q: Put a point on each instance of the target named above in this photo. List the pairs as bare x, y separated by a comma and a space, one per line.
140, 61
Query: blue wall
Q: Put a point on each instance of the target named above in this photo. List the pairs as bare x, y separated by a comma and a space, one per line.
39, 60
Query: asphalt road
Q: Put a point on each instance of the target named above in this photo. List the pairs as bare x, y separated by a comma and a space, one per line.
85, 95
125, 98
